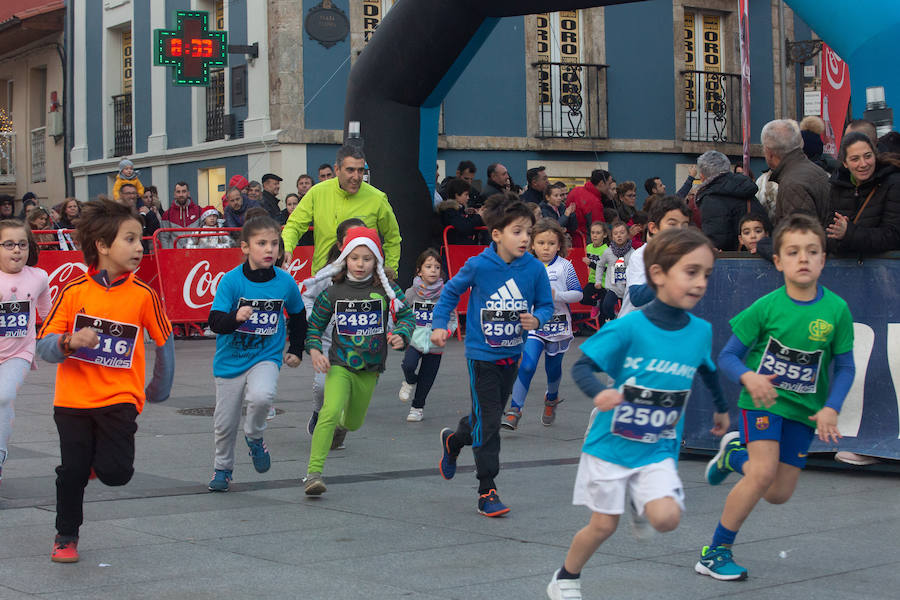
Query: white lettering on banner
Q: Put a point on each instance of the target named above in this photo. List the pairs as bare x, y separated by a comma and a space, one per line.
205, 286
62, 274
851, 412
893, 355
296, 266
835, 68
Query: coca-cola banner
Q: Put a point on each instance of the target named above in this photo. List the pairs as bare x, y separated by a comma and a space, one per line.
186, 280
835, 98
63, 266
189, 278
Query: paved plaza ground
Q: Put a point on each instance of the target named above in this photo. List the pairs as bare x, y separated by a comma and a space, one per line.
389, 526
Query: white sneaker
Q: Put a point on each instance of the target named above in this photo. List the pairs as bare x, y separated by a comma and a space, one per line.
641, 528
564, 589
415, 414
209, 333
271, 414
852, 458
406, 390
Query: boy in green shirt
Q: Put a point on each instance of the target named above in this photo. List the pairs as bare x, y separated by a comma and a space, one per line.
595, 290
789, 338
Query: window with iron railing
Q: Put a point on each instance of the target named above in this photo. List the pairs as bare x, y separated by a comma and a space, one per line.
7, 157
571, 100
712, 106
38, 155
215, 106
122, 125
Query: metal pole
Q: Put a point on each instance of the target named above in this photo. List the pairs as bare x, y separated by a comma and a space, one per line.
782, 59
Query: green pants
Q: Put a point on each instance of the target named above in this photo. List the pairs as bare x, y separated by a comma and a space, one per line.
347, 397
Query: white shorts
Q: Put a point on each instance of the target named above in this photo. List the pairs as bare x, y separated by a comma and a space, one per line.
601, 485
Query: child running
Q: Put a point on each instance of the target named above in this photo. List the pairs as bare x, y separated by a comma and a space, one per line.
549, 244
510, 296
247, 314
595, 290
614, 264
95, 331
789, 338
309, 299
360, 301
422, 296
631, 446
24, 293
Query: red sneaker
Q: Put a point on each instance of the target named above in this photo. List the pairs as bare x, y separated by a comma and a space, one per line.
65, 550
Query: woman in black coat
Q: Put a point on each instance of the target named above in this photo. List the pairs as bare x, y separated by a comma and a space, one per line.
455, 212
865, 199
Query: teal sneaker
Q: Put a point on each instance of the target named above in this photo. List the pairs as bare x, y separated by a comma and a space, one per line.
717, 469
221, 481
718, 564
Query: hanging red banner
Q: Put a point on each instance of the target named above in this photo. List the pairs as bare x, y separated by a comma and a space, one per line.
835, 98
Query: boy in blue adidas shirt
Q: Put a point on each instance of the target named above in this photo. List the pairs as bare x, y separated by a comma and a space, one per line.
631, 446
510, 296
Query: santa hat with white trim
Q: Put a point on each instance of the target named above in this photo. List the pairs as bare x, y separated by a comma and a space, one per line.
355, 237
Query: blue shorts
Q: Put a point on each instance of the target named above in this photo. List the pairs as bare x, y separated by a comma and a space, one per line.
793, 437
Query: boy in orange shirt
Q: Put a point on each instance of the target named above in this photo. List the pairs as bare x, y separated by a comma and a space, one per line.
95, 332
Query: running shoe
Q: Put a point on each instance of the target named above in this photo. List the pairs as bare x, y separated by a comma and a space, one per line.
260, 454
271, 414
415, 414
490, 506
220, 481
718, 469
563, 589
406, 390
65, 549
641, 528
858, 460
549, 414
718, 564
511, 419
311, 424
447, 465
315, 485
337, 442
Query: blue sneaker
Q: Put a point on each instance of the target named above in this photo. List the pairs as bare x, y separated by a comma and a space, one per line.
260, 454
220, 481
718, 564
490, 506
448, 461
717, 469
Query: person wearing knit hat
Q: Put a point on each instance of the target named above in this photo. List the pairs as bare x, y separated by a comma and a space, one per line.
238, 181
127, 174
209, 218
361, 301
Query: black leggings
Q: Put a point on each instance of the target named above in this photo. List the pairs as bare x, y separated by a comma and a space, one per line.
426, 375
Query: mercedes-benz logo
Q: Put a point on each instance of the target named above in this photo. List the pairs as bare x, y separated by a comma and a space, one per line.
270, 305
668, 401
803, 358
15, 307
366, 306
116, 330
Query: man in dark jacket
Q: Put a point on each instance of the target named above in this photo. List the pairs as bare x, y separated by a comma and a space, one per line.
497, 183
724, 197
802, 186
271, 184
537, 181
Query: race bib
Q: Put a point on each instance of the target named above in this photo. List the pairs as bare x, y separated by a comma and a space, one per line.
795, 370
619, 271
359, 317
116, 346
557, 325
264, 318
501, 327
14, 316
648, 415
424, 313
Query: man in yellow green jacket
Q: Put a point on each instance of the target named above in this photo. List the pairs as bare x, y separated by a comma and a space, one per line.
328, 203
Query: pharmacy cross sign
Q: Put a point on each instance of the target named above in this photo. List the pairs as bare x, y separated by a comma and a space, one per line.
191, 48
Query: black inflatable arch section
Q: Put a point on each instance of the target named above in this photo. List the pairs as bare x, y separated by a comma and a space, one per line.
396, 87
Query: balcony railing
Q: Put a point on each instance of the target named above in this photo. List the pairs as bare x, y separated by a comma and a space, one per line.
215, 106
38, 155
712, 106
7, 157
571, 100
122, 124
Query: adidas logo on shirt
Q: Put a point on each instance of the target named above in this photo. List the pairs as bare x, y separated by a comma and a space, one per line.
507, 297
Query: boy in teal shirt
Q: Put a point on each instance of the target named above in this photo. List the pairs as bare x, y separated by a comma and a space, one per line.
789, 338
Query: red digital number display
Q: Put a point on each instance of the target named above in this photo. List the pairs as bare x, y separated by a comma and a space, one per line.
196, 48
